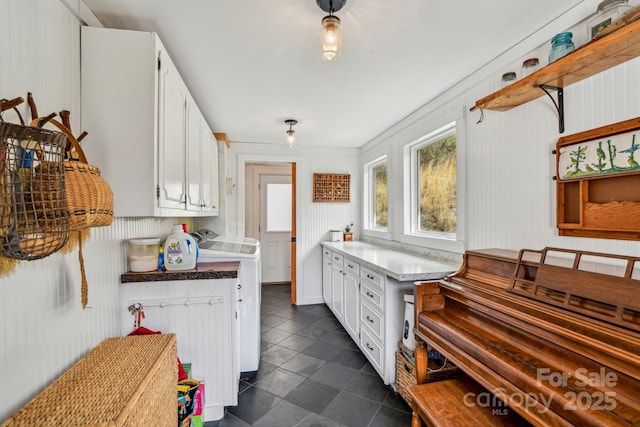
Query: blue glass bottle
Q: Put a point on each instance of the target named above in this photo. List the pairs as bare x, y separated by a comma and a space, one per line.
561, 45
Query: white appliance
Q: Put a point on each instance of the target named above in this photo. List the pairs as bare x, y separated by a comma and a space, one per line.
247, 252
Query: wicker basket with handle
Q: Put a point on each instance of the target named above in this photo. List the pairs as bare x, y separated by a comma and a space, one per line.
89, 197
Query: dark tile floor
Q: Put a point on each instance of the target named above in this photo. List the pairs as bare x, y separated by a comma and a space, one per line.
311, 374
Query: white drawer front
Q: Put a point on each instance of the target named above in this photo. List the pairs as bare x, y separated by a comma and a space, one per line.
372, 320
352, 266
372, 277
336, 258
370, 294
372, 349
326, 252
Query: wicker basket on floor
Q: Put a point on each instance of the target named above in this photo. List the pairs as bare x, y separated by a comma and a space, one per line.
127, 381
406, 371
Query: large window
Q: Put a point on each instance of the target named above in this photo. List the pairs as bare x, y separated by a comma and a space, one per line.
433, 184
377, 195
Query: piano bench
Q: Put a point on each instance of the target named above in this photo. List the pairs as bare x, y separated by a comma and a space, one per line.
459, 402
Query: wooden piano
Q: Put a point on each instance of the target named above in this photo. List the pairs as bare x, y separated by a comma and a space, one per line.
554, 335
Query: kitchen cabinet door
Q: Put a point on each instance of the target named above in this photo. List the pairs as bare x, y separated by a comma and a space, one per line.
194, 156
351, 304
209, 189
337, 290
171, 139
326, 278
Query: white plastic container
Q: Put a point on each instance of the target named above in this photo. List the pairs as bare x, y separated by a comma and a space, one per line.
143, 254
408, 338
180, 250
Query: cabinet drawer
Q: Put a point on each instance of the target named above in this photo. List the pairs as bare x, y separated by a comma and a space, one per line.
352, 266
372, 320
372, 349
326, 252
371, 294
336, 259
372, 277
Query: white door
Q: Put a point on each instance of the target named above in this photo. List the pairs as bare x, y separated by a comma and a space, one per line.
275, 228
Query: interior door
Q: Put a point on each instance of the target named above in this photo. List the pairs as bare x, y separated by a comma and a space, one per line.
275, 228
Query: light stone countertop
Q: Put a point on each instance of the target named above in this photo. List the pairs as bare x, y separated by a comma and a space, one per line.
401, 266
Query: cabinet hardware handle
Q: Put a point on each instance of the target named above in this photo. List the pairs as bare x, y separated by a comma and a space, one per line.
369, 319
370, 277
370, 295
350, 266
369, 347
336, 258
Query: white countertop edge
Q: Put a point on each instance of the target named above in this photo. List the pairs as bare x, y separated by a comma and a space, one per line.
388, 264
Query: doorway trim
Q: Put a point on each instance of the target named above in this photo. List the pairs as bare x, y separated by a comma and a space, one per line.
243, 159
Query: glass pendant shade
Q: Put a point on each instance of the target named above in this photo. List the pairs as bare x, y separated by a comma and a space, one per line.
331, 38
291, 138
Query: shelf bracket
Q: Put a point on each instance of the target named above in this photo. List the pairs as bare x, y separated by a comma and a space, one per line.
559, 105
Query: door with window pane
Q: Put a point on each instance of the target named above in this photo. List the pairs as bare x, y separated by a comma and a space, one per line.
275, 228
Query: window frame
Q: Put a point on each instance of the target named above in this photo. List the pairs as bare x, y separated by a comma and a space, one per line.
453, 242
370, 194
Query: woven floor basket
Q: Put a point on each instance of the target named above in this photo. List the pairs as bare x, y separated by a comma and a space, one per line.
406, 372
127, 381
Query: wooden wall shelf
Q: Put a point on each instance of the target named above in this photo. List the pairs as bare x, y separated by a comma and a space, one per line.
598, 182
591, 58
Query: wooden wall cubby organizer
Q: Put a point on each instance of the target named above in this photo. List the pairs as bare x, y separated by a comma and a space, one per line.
331, 187
598, 182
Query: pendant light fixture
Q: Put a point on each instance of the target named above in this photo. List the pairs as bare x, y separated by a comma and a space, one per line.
331, 36
291, 134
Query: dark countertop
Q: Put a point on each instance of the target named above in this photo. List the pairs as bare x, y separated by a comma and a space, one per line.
203, 271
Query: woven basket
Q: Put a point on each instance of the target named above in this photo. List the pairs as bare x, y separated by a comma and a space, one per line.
406, 373
34, 221
127, 381
89, 197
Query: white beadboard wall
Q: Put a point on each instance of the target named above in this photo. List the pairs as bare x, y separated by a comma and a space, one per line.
314, 220
510, 196
44, 328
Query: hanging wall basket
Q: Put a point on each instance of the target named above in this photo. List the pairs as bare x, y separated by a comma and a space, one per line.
34, 220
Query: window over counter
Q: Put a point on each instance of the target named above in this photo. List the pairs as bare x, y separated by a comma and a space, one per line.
376, 195
431, 204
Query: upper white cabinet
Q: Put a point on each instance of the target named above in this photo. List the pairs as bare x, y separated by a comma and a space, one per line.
146, 134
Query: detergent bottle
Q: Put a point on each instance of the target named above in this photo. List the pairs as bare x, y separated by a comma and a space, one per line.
180, 250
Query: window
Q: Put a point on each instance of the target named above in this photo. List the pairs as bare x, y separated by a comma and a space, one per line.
434, 185
377, 197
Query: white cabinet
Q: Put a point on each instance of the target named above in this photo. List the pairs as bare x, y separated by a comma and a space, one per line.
202, 153
326, 276
337, 286
351, 289
369, 305
203, 315
146, 133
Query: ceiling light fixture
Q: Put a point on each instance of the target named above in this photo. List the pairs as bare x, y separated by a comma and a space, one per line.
291, 134
331, 36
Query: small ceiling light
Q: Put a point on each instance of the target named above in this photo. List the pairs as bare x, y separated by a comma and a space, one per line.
331, 36
291, 134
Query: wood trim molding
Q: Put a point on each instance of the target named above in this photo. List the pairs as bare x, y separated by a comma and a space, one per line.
222, 137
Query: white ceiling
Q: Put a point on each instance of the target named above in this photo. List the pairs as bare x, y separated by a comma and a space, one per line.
251, 64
